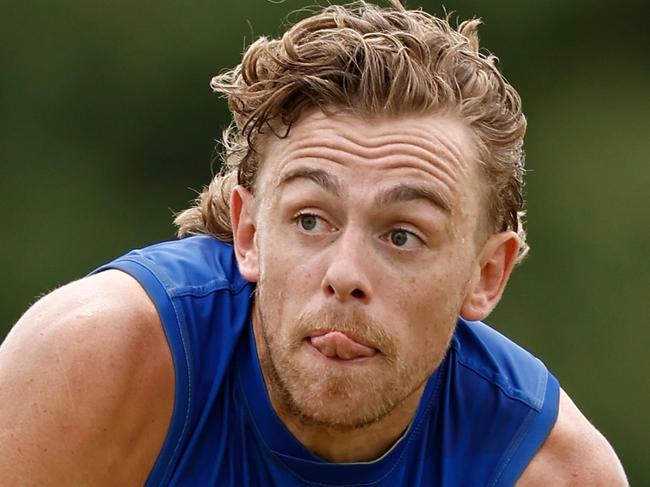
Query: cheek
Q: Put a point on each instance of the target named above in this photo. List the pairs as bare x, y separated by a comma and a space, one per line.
434, 285
429, 330
283, 271
285, 262
284, 286
428, 308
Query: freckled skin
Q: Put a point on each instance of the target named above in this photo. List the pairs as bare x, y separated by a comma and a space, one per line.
348, 264
322, 249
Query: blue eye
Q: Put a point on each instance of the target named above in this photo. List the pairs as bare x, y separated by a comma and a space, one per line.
307, 222
399, 237
404, 239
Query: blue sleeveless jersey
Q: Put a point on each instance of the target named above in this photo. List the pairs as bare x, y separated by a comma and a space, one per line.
483, 415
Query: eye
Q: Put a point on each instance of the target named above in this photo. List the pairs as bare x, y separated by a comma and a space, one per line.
404, 239
310, 223
307, 222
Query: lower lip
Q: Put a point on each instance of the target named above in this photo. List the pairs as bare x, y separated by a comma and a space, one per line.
334, 360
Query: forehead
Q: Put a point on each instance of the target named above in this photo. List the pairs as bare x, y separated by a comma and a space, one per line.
434, 149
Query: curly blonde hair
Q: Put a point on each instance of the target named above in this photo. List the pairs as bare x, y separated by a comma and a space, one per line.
370, 60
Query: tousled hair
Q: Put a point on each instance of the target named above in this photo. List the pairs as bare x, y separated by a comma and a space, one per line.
369, 60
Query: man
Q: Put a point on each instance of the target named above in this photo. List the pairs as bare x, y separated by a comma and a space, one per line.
372, 194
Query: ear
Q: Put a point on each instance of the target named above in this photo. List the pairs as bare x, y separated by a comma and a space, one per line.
495, 264
242, 218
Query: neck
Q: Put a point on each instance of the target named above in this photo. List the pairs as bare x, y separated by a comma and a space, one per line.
361, 444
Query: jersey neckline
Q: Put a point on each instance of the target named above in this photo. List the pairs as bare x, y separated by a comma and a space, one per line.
280, 443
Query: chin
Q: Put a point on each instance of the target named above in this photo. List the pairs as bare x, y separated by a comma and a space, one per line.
337, 408
342, 395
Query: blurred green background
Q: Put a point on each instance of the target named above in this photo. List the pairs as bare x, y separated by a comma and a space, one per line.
107, 126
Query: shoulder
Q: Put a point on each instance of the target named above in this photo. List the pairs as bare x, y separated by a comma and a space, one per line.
499, 360
78, 374
571, 451
574, 454
190, 265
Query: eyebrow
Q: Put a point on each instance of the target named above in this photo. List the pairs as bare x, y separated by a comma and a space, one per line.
323, 179
406, 192
399, 194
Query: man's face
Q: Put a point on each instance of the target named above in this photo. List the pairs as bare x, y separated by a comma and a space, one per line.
366, 237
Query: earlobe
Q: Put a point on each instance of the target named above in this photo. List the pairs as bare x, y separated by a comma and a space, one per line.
496, 262
242, 219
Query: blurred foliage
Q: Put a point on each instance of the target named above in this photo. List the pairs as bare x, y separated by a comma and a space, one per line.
107, 126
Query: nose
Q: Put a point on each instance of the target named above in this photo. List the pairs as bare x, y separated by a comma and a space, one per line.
346, 278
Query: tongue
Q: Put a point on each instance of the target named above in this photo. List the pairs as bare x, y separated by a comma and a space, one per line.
336, 344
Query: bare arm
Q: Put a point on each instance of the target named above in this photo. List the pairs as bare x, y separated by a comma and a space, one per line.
574, 454
86, 387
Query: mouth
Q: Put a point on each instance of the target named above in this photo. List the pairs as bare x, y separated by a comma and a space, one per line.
338, 345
